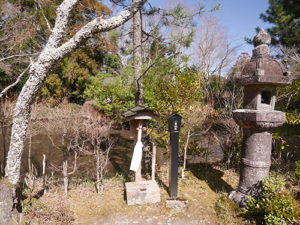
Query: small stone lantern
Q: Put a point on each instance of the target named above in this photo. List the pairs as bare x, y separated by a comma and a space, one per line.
141, 192
260, 77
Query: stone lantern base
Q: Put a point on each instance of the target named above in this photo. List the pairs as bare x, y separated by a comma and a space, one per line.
240, 197
256, 152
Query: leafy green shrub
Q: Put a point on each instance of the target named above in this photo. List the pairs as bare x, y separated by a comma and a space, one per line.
113, 94
275, 205
271, 219
27, 204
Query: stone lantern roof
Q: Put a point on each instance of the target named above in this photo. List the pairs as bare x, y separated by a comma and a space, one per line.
262, 68
140, 112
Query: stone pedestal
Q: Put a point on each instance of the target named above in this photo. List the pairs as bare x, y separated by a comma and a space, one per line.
142, 192
255, 163
176, 203
256, 150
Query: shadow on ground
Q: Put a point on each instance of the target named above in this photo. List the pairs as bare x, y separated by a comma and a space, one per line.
212, 176
162, 184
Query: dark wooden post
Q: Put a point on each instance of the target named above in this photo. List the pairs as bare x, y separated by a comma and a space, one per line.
174, 127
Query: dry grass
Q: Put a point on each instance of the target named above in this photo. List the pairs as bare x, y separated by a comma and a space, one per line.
84, 206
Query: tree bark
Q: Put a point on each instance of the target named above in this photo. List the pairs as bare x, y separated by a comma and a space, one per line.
137, 56
39, 70
138, 79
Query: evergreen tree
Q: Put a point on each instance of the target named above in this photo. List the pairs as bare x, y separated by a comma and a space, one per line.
285, 17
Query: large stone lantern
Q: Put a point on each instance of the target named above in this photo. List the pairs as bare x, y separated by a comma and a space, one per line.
260, 77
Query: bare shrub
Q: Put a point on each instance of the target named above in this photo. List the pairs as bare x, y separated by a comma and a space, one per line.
76, 131
63, 125
97, 143
229, 136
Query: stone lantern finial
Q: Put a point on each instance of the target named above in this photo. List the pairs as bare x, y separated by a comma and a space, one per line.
262, 38
261, 42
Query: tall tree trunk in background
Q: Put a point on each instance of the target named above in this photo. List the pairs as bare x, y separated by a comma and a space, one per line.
137, 56
39, 69
138, 80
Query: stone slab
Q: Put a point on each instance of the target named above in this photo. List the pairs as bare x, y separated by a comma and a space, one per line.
142, 192
176, 203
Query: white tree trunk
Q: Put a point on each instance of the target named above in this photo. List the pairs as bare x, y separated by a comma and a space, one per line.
185, 153
65, 174
39, 70
44, 174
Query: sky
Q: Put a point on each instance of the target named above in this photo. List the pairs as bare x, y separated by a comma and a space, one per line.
239, 17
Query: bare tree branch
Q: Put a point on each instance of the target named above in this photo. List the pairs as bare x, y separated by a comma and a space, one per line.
20, 55
15, 83
291, 53
150, 66
48, 24
95, 26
